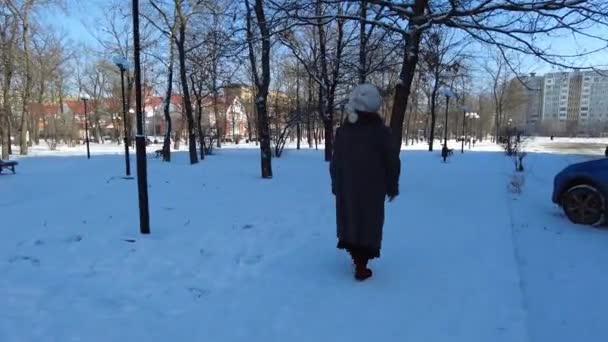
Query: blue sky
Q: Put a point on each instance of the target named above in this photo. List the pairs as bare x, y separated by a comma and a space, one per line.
74, 22
80, 20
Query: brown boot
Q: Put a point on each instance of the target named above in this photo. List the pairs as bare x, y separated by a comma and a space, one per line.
361, 270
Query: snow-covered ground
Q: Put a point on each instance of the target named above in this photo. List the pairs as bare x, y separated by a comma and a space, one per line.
233, 257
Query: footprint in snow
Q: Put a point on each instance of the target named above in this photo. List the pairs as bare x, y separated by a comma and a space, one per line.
32, 260
74, 238
250, 260
197, 292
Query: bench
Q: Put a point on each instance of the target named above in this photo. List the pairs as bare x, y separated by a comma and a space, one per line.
8, 165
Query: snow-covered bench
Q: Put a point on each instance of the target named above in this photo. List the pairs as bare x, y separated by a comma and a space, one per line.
8, 165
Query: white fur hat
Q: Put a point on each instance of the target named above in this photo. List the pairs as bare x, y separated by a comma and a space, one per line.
364, 98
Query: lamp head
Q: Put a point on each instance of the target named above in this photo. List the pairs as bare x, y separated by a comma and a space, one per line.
447, 92
121, 62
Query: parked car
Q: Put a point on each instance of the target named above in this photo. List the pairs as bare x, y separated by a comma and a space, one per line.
582, 191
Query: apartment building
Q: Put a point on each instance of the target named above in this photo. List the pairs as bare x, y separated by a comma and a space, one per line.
575, 102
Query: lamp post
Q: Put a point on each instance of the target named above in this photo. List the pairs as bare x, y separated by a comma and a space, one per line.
447, 92
123, 64
131, 115
465, 110
142, 172
469, 115
85, 97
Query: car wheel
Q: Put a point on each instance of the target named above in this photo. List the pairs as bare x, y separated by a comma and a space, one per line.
584, 204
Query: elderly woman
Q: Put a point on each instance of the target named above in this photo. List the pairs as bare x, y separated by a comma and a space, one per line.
364, 171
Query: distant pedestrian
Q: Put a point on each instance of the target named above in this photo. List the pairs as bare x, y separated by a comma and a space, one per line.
606, 152
364, 171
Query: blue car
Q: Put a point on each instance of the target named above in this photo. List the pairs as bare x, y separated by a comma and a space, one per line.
582, 191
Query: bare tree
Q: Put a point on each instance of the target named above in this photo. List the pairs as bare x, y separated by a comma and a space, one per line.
23, 12
9, 31
261, 76
322, 56
283, 110
167, 101
183, 14
198, 89
509, 25
499, 74
180, 42
49, 55
215, 58
441, 61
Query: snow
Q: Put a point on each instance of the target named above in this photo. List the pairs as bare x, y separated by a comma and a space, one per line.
233, 257
561, 263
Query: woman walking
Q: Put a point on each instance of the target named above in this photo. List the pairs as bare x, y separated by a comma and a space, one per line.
364, 171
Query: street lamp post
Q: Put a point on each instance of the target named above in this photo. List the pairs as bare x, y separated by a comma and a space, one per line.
132, 116
470, 115
85, 97
142, 172
123, 64
465, 111
447, 92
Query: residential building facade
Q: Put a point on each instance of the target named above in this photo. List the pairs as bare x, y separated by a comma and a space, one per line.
575, 102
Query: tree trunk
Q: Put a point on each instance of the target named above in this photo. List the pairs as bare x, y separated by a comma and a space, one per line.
199, 121
261, 83
37, 116
329, 139
179, 133
249, 128
5, 117
130, 117
167, 105
316, 134
186, 92
61, 108
408, 70
414, 133
412, 125
433, 101
98, 134
324, 111
28, 86
327, 90
298, 112
264, 133
199, 115
218, 123
4, 138
309, 129
298, 134
362, 42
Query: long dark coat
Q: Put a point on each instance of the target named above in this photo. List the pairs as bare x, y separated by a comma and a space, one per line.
364, 170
